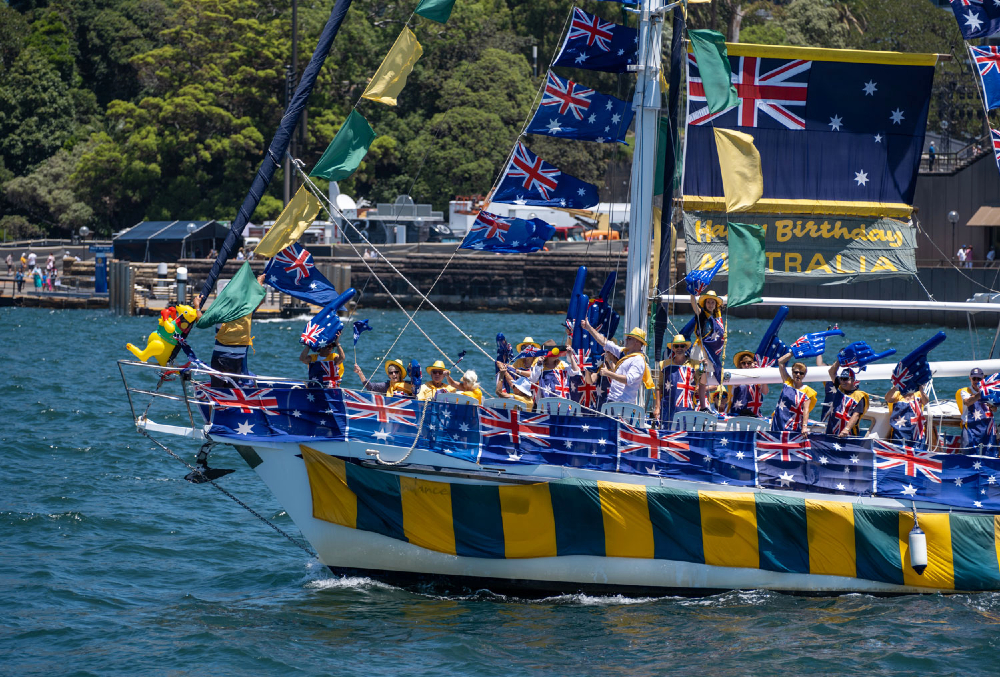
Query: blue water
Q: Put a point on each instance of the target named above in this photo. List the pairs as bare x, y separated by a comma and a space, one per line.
111, 564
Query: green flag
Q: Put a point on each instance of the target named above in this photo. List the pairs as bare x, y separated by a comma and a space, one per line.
713, 68
435, 10
240, 297
347, 149
746, 264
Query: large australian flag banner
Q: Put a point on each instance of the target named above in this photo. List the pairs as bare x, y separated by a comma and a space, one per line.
598, 45
830, 125
293, 272
530, 180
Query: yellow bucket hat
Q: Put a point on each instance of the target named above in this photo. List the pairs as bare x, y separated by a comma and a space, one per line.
710, 295
680, 341
397, 363
439, 365
528, 341
637, 334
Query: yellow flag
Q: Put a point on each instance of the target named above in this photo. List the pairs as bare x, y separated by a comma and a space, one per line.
742, 181
298, 215
390, 78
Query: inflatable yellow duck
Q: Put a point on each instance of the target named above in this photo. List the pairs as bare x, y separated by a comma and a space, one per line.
161, 342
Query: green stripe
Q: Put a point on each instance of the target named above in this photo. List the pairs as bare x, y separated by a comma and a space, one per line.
475, 512
380, 508
974, 552
782, 536
876, 539
676, 518
576, 507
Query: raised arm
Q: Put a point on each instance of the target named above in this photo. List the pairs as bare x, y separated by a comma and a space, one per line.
832, 371
304, 355
598, 336
782, 371
694, 305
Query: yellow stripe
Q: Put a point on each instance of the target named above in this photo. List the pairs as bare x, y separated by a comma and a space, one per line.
333, 501
940, 571
821, 54
729, 528
627, 529
824, 207
529, 528
427, 518
830, 527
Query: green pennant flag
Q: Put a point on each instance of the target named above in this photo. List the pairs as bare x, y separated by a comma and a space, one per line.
347, 149
746, 264
238, 298
713, 67
435, 10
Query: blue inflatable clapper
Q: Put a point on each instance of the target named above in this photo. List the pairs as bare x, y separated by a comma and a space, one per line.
324, 328
415, 376
913, 371
812, 345
698, 280
575, 311
771, 347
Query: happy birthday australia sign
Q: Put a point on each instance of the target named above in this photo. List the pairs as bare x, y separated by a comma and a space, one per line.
820, 249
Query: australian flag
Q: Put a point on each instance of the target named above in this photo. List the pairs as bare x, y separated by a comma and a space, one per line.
814, 344
988, 62
572, 111
507, 234
529, 180
324, 328
293, 272
995, 136
598, 45
826, 130
789, 460
976, 19
681, 454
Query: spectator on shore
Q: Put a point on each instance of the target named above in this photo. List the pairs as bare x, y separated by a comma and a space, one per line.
212, 255
32, 259
53, 276
239, 255
19, 278
968, 256
36, 273
931, 156
10, 264
960, 255
50, 263
991, 256
24, 259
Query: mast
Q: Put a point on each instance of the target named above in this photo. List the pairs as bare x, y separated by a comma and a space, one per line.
647, 113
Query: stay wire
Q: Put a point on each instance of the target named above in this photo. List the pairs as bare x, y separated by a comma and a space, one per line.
225, 492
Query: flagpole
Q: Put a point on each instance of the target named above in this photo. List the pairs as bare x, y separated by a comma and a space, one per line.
647, 113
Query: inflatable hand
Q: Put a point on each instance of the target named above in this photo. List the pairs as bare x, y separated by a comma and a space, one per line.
326, 326
698, 280
913, 371
812, 345
415, 375
859, 354
771, 347
577, 299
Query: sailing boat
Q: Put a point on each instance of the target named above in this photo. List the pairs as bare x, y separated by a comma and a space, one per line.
565, 499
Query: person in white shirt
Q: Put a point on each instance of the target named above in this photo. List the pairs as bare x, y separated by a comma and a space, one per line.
630, 373
961, 256
32, 258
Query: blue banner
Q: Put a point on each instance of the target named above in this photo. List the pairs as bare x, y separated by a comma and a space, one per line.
572, 111
598, 45
507, 234
529, 180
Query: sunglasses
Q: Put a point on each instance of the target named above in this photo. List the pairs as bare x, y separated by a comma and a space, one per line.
394, 372
798, 373
436, 372
976, 378
746, 363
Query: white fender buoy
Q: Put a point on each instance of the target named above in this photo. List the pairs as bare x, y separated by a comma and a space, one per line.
918, 549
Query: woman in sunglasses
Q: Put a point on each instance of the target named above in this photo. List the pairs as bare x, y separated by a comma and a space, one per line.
977, 413
796, 399
394, 386
747, 399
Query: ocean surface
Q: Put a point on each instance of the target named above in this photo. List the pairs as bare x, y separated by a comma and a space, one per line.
112, 564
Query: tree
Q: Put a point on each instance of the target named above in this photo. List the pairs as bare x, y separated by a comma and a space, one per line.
46, 195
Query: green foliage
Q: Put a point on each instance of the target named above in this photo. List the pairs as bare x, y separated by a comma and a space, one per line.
113, 111
16, 227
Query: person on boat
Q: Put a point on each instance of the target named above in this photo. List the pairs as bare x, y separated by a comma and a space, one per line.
796, 399
467, 385
977, 413
438, 372
521, 391
233, 341
718, 401
394, 386
326, 367
906, 416
504, 384
747, 399
709, 328
549, 374
680, 386
630, 372
847, 404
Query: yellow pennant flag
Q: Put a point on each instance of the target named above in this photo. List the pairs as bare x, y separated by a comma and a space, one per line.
742, 181
390, 78
298, 215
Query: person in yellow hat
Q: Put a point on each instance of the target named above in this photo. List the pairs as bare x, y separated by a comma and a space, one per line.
438, 372
396, 385
549, 375
503, 385
630, 372
681, 384
746, 399
710, 330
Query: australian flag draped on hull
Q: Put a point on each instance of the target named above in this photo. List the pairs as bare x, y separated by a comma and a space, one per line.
831, 126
